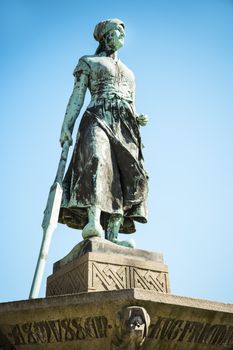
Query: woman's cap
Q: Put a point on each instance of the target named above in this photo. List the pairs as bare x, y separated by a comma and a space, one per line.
105, 26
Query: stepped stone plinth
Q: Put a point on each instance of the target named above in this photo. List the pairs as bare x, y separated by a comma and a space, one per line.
97, 265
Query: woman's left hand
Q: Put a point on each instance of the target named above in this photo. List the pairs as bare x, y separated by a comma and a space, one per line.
142, 119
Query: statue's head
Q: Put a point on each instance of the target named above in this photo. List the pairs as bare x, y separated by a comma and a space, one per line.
110, 34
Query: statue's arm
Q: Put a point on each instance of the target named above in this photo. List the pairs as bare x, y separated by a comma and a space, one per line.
74, 107
142, 119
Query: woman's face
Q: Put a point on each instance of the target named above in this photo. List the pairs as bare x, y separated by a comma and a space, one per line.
115, 39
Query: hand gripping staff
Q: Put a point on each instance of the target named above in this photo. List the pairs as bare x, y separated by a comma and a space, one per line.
50, 220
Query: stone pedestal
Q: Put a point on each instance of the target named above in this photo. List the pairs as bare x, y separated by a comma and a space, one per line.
99, 265
99, 312
89, 321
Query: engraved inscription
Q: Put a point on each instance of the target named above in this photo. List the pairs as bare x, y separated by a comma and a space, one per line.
56, 331
171, 329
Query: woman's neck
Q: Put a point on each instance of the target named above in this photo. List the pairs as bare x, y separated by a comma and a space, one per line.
112, 54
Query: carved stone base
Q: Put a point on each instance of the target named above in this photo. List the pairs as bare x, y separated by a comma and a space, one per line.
97, 265
116, 320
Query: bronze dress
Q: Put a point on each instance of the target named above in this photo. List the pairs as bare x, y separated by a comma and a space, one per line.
106, 169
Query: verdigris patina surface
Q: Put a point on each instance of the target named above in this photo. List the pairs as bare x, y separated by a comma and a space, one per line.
105, 187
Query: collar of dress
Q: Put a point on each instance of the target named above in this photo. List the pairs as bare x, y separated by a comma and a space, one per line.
109, 54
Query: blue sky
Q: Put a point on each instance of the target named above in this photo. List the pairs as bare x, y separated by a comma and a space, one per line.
181, 53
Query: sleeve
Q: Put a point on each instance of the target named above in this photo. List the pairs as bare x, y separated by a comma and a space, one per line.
82, 67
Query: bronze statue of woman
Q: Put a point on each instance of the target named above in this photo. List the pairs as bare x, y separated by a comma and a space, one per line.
105, 187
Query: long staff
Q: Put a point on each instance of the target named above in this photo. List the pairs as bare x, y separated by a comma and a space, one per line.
50, 220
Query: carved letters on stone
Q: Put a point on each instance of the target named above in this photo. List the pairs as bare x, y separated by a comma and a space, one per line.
56, 331
131, 329
191, 332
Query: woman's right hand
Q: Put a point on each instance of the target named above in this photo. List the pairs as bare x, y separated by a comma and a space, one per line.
65, 136
142, 119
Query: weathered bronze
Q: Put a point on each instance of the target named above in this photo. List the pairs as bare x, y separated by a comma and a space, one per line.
105, 187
